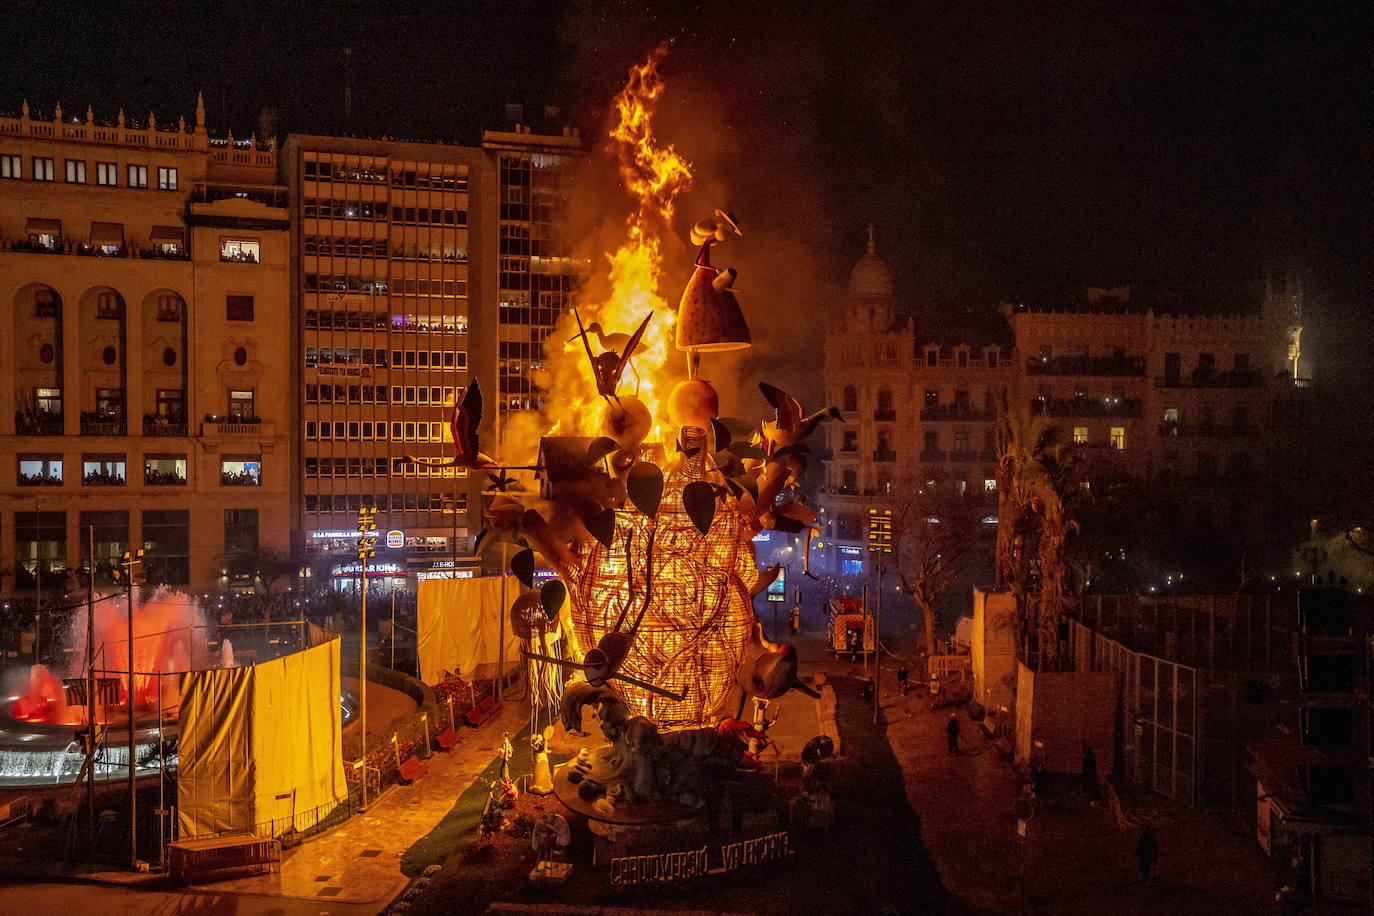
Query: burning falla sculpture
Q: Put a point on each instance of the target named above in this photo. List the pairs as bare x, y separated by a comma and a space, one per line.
655, 547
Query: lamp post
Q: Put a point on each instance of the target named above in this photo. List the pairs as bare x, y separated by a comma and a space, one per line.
367, 547
129, 566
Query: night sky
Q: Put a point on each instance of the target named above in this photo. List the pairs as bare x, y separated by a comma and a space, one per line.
1185, 150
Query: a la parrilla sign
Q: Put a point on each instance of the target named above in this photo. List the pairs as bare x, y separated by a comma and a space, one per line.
667, 867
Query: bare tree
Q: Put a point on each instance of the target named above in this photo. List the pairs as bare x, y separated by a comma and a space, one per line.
933, 535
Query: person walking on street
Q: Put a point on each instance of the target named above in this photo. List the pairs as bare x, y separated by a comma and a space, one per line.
1146, 851
952, 733
902, 675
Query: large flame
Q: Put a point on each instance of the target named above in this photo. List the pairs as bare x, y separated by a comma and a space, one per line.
655, 174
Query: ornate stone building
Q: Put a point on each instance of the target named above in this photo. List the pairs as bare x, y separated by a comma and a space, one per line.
1207, 406
144, 301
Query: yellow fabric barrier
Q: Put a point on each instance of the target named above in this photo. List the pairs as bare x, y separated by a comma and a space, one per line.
458, 622
261, 746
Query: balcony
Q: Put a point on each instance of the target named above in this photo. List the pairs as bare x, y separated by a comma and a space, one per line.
884, 454
849, 451
885, 416
939, 413
102, 423
33, 247
963, 457
1125, 408
1099, 366
1234, 379
157, 426
37, 423
1183, 430
236, 427
933, 455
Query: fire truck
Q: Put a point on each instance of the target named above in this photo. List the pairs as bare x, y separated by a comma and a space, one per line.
850, 629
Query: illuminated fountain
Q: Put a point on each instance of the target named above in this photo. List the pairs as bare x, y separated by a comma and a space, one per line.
38, 727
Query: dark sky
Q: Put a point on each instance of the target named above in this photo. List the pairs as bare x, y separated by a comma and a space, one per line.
1184, 149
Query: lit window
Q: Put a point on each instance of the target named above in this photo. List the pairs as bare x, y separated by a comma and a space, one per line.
40, 471
76, 171
240, 472
102, 471
11, 167
138, 176
989, 485
106, 173
1080, 435
1119, 438
244, 251
42, 168
241, 405
166, 178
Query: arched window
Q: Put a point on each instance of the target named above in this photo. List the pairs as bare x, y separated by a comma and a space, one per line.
851, 398
169, 307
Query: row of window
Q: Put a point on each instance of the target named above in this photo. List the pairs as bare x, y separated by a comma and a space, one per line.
451, 360
320, 170
380, 286
41, 541
319, 208
320, 320
43, 168
395, 502
376, 467
110, 470
377, 431
377, 394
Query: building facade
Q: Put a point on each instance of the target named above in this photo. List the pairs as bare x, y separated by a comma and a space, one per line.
144, 297
418, 267
1205, 405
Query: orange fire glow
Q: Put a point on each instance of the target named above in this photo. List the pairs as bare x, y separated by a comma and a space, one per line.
655, 174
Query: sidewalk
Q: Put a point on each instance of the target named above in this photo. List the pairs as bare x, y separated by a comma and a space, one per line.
360, 861
1077, 859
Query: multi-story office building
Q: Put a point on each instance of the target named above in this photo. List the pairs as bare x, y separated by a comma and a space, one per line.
536, 274
415, 268
144, 369
1203, 404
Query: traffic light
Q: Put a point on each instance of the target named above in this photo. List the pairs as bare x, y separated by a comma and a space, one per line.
367, 533
880, 530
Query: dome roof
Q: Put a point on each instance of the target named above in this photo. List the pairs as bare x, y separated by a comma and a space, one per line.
871, 277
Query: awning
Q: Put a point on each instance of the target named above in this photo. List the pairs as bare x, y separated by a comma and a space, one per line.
107, 234
44, 226
165, 234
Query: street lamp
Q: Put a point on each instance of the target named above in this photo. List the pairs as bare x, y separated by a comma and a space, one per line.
131, 573
367, 547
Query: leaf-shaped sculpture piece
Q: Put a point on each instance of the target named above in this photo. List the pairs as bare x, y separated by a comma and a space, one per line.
644, 486
723, 434
522, 564
552, 596
744, 449
599, 448
699, 501
601, 525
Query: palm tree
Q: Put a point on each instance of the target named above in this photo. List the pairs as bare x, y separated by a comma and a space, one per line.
1049, 483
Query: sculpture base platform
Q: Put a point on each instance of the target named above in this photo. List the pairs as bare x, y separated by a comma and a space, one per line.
601, 810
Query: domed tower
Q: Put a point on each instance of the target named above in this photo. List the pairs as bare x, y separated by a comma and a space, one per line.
870, 291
